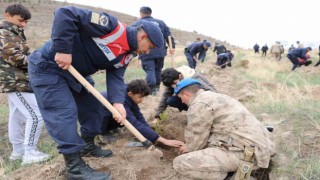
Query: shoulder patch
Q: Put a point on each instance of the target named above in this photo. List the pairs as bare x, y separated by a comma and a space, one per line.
99, 19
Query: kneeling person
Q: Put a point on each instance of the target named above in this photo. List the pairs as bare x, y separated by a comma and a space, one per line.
219, 129
170, 77
136, 91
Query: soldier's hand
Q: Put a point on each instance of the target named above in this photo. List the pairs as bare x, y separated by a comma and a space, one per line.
63, 60
122, 116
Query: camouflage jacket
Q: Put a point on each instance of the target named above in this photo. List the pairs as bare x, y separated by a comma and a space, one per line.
217, 120
13, 59
186, 72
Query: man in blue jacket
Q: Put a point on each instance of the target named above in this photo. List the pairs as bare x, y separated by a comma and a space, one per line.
299, 53
89, 41
152, 63
193, 49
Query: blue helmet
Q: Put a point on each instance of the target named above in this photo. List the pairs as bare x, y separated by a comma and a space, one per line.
154, 33
185, 83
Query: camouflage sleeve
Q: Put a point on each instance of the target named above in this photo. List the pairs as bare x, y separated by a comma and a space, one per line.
199, 125
14, 52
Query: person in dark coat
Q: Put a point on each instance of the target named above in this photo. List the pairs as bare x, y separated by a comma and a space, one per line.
152, 63
299, 56
256, 48
219, 48
191, 52
89, 41
225, 59
264, 50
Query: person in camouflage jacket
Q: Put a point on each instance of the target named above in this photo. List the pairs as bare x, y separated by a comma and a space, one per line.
14, 82
217, 132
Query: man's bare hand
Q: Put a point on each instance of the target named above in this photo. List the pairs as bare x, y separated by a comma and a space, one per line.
63, 60
122, 116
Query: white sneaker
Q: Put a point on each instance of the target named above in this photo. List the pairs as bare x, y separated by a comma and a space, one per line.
15, 156
35, 156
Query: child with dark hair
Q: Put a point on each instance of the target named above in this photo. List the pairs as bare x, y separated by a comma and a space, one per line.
25, 120
170, 77
136, 91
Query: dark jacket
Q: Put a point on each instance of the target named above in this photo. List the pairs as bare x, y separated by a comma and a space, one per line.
76, 31
195, 48
161, 51
135, 117
220, 49
298, 52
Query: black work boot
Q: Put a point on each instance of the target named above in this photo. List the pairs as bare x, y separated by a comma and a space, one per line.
77, 169
92, 150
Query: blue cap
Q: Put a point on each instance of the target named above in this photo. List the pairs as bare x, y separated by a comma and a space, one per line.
208, 44
184, 83
154, 33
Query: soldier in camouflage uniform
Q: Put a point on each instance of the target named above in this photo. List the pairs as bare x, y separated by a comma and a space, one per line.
14, 82
219, 128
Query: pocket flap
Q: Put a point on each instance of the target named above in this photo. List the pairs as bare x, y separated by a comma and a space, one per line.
44, 80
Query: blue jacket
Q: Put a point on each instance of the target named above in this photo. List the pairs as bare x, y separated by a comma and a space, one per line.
135, 117
226, 56
299, 52
73, 31
195, 48
161, 51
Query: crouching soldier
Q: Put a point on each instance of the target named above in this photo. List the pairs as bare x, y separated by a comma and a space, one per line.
219, 130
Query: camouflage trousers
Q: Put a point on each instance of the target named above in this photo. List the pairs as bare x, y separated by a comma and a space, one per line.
209, 163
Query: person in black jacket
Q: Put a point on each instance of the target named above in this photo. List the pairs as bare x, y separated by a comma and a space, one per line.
136, 91
264, 50
219, 48
256, 48
152, 63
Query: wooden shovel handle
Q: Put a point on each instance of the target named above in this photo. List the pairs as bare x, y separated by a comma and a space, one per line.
170, 48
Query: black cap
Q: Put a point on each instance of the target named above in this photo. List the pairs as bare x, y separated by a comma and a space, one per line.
145, 10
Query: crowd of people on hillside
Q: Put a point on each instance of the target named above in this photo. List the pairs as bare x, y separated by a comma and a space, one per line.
298, 55
40, 91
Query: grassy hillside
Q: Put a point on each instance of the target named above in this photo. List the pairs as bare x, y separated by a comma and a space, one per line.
39, 28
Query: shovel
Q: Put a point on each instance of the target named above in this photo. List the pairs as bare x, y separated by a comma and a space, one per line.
146, 143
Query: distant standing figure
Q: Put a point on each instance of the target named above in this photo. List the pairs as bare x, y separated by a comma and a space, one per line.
299, 56
193, 49
300, 45
264, 50
152, 62
276, 50
291, 48
256, 48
